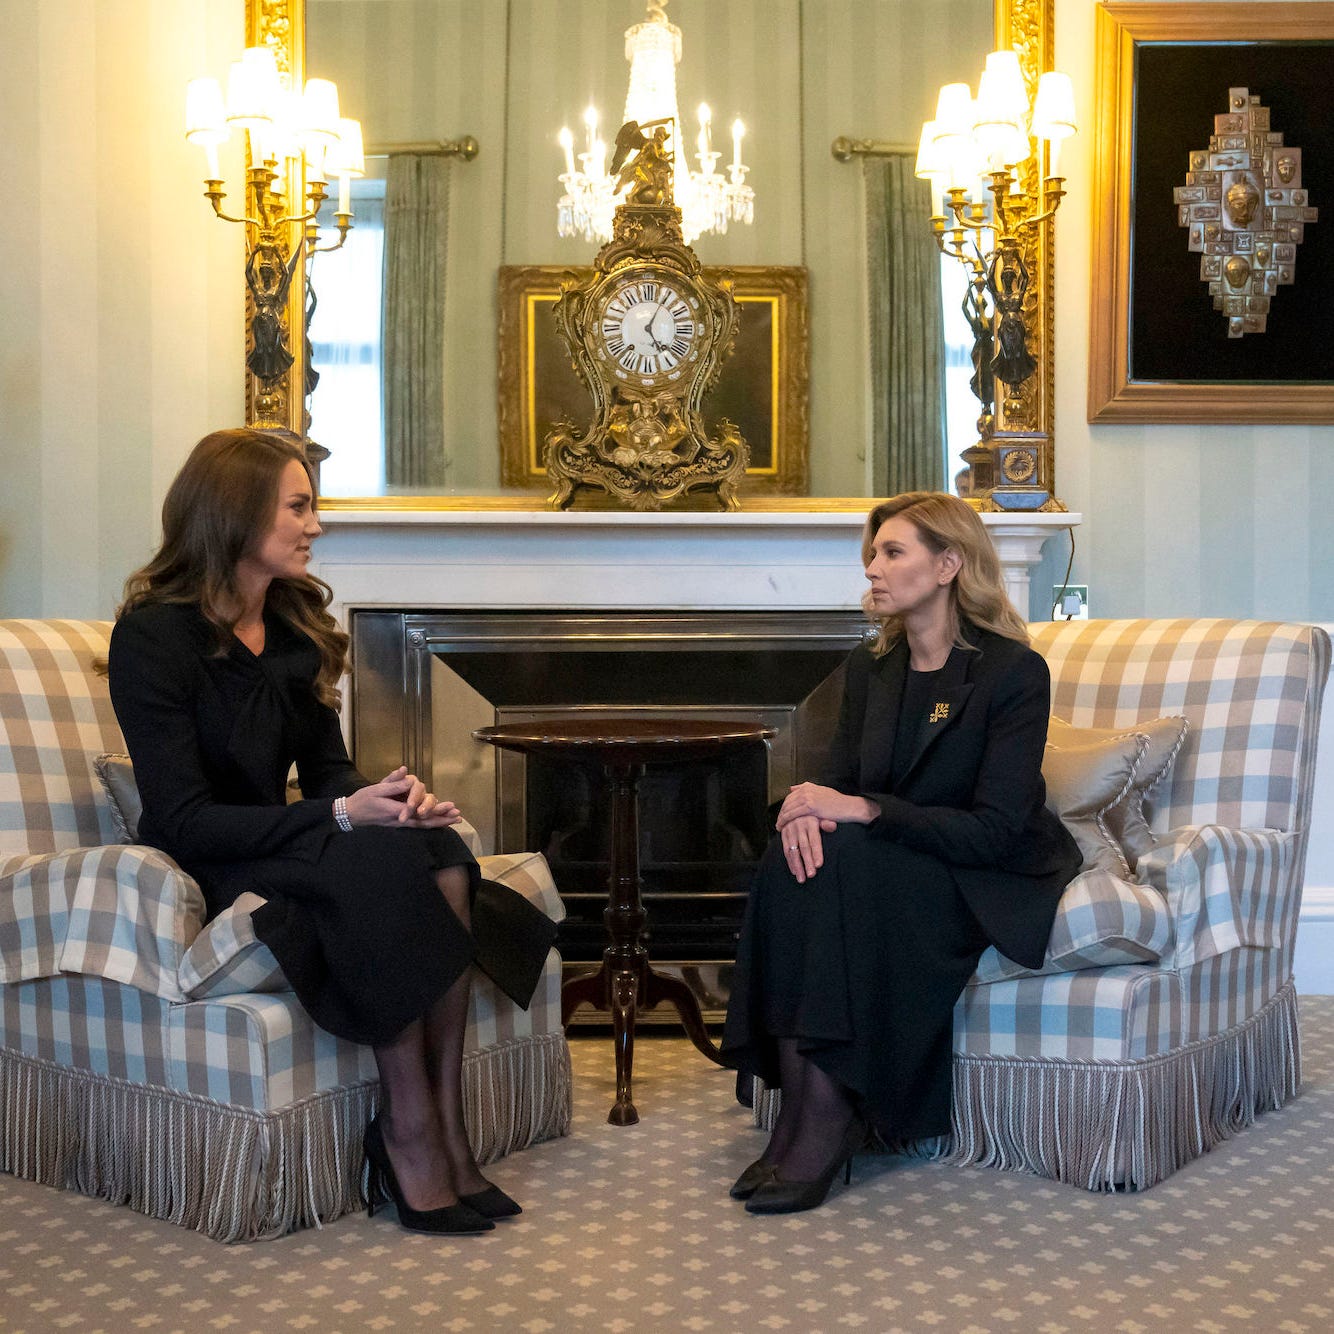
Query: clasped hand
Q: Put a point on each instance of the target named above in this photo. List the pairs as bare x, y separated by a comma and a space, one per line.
401, 798
810, 811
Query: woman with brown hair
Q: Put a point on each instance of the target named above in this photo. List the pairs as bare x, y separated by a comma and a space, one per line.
224, 667
925, 841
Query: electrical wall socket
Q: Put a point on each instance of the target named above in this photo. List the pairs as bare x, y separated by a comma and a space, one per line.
1072, 601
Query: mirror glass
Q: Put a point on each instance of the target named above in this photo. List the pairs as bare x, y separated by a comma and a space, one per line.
512, 73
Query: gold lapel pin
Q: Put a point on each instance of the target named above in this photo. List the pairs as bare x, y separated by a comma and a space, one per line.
940, 713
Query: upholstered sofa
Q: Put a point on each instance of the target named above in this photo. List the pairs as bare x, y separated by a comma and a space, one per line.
152, 1060
1165, 1016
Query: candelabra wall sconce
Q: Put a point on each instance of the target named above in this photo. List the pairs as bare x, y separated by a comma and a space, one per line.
984, 157
295, 143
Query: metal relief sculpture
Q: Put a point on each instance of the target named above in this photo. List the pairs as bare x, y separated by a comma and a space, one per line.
1246, 211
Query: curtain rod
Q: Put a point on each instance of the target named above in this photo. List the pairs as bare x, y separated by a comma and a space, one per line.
845, 149
466, 148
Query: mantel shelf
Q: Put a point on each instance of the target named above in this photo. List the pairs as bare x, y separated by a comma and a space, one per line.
528, 559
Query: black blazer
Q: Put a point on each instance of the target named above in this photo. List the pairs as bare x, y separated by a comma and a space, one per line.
213, 737
973, 793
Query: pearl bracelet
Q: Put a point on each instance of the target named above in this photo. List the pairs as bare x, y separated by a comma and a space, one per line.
340, 815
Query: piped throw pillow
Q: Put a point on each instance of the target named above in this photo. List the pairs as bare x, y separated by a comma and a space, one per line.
1083, 783
1101, 920
1126, 821
116, 774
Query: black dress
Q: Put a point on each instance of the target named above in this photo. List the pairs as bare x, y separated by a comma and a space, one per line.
863, 963
356, 920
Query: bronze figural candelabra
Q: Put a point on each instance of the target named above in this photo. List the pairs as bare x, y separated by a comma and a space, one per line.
272, 260
998, 288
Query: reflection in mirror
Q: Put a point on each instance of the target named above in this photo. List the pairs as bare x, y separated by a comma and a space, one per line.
512, 72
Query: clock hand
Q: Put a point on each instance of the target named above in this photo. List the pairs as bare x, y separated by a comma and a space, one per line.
648, 329
652, 320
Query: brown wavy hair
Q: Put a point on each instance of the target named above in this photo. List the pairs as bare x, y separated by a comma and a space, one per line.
977, 592
217, 510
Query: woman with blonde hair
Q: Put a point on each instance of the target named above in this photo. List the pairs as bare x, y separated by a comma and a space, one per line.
925, 840
224, 669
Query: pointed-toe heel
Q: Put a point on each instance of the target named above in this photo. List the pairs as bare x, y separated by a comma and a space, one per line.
777, 1196
755, 1176
382, 1187
492, 1203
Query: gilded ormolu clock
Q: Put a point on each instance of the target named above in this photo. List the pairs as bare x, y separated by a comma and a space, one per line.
647, 333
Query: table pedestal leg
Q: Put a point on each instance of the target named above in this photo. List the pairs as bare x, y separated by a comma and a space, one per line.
625, 981
626, 960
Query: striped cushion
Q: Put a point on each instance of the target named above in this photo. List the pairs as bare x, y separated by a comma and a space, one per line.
1101, 920
123, 912
56, 718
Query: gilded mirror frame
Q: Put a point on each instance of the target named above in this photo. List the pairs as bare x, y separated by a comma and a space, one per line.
1023, 25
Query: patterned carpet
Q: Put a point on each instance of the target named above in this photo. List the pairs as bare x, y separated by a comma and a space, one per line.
632, 1230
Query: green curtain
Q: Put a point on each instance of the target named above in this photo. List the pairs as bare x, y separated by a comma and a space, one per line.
416, 236
907, 339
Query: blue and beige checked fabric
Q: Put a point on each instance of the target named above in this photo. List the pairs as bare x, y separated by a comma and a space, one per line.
112, 989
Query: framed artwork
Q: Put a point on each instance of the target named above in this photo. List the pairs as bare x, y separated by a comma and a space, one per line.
1159, 349
762, 387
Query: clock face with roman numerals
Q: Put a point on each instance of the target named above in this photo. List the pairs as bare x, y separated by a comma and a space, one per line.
647, 330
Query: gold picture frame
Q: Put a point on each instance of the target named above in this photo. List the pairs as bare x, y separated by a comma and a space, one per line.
1115, 393
762, 387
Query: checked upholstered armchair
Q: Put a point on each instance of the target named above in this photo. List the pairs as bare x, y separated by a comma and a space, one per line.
153, 1060
1165, 1016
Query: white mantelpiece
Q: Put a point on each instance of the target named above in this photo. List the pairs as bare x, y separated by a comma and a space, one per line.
751, 560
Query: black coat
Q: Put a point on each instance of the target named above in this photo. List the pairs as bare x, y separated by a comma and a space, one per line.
356, 920
973, 794
213, 738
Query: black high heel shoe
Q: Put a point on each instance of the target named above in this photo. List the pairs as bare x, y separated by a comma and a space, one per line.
777, 1196
755, 1176
382, 1187
492, 1203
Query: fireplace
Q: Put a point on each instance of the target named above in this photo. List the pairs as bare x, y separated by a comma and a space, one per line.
425, 679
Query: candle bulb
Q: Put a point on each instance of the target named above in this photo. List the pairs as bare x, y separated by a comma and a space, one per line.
738, 130
591, 124
211, 155
705, 115
344, 192
567, 143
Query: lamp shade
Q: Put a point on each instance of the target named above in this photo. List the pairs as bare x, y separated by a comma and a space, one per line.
954, 111
1054, 109
253, 89
1006, 81
930, 160
205, 114
319, 112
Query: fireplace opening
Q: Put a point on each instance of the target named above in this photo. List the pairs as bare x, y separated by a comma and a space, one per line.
425, 680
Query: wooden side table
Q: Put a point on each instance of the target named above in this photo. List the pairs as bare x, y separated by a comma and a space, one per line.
625, 980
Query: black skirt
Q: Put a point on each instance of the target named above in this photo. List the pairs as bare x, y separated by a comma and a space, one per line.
365, 937
861, 965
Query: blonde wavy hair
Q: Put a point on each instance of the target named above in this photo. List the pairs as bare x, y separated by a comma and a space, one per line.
217, 510
977, 592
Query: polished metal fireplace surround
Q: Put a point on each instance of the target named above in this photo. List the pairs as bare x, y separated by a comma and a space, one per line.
425, 679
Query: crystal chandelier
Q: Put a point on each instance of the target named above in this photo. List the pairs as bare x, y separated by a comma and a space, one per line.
708, 200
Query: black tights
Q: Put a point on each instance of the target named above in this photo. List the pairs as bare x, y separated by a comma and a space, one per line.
814, 1116
421, 1078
